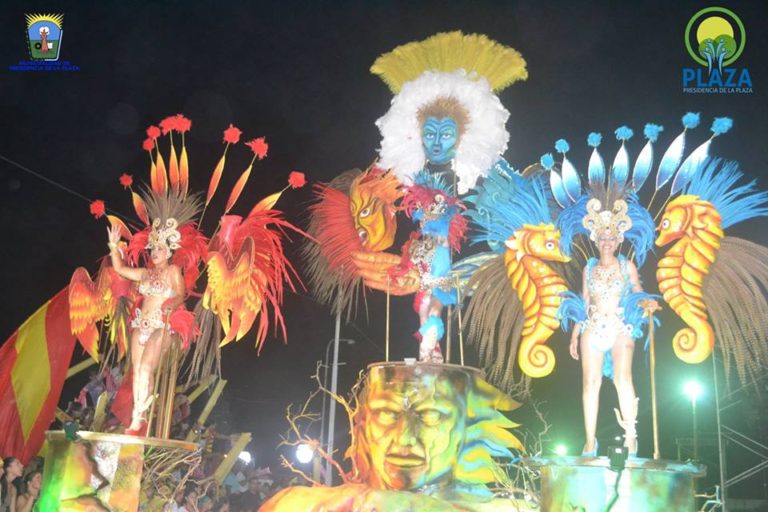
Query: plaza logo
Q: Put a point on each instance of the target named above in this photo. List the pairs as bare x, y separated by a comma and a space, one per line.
715, 39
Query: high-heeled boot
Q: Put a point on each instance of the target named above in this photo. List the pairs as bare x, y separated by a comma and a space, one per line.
630, 430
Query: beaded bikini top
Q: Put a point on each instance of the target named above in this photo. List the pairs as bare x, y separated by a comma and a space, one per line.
603, 283
153, 285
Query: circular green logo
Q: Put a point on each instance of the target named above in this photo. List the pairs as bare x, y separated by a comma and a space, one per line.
715, 36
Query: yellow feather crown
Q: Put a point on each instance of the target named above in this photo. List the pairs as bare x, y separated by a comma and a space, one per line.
449, 51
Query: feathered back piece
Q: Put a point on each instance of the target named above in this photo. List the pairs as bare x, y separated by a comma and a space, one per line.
172, 204
734, 294
448, 51
567, 188
504, 203
716, 182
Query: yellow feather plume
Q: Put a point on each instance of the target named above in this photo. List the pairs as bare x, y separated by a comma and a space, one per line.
449, 51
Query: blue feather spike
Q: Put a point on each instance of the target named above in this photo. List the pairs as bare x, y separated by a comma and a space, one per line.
558, 190
690, 166
634, 314
571, 180
562, 146
643, 166
620, 167
624, 133
721, 125
569, 222
547, 161
596, 168
670, 161
572, 310
652, 131
691, 120
643, 231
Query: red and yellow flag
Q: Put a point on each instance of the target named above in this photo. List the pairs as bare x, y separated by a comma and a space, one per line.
33, 367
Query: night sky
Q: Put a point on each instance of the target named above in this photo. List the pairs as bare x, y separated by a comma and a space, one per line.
297, 73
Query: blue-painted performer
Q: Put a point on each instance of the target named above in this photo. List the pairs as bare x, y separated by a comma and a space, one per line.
444, 121
441, 230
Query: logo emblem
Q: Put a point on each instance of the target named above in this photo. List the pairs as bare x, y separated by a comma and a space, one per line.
715, 37
44, 33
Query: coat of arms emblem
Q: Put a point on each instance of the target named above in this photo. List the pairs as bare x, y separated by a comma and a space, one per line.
44, 34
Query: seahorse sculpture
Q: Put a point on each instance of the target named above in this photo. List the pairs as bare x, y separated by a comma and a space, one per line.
514, 293
539, 289
697, 227
714, 282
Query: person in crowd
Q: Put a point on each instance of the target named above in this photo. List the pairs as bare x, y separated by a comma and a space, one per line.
33, 482
12, 469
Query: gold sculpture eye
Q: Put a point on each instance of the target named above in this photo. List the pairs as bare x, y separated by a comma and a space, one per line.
550, 246
385, 416
430, 417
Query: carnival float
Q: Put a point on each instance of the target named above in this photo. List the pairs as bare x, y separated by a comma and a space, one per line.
497, 259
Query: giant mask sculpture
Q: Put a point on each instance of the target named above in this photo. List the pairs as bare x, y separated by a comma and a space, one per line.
425, 437
372, 197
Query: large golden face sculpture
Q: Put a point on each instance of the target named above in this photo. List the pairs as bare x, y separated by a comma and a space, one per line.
372, 198
413, 426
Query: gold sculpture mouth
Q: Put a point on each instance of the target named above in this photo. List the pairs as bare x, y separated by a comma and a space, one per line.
405, 460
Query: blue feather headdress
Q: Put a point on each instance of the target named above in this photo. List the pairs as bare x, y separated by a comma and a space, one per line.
617, 182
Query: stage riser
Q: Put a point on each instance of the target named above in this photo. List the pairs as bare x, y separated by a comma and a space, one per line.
574, 483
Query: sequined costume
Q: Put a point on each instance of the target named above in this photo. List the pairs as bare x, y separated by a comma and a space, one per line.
432, 255
606, 287
437, 212
147, 322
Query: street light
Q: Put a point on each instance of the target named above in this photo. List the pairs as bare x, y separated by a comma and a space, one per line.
332, 412
304, 453
693, 391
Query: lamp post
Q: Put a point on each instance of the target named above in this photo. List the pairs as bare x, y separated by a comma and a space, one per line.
326, 364
336, 341
693, 390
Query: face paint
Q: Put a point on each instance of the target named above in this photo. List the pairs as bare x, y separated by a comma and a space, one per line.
439, 137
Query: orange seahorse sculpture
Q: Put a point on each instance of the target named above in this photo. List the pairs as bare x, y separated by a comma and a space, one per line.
539, 289
514, 294
697, 227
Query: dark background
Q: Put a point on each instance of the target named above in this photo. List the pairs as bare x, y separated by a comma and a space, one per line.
297, 73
